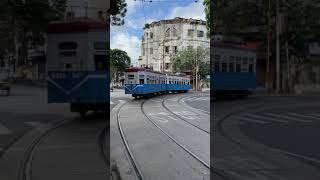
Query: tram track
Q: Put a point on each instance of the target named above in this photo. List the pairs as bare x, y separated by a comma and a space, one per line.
182, 118
217, 172
127, 147
219, 128
25, 170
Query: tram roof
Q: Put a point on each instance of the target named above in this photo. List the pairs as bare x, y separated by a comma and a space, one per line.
76, 26
233, 46
136, 69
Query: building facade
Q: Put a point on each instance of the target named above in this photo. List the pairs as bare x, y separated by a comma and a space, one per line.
92, 9
164, 39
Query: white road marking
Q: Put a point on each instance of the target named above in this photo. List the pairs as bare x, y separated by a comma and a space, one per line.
242, 118
265, 118
172, 118
4, 130
305, 116
288, 117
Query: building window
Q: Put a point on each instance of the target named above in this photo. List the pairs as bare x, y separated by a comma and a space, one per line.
151, 35
167, 66
174, 32
175, 49
190, 32
167, 49
147, 35
168, 32
143, 51
151, 51
200, 34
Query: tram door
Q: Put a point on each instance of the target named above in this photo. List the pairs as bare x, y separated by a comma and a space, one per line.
141, 78
101, 62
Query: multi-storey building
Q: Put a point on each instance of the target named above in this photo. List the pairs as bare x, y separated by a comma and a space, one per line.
92, 9
163, 39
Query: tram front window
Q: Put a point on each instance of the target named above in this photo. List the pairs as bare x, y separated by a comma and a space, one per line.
101, 62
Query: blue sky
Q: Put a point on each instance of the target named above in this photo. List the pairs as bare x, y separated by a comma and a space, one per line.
128, 37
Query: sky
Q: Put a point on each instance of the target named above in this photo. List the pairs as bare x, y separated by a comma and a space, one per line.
128, 37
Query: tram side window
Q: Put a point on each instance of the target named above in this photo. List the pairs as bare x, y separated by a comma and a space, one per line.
231, 67
101, 62
68, 66
238, 64
250, 67
216, 66
238, 67
251, 64
141, 79
244, 67
224, 67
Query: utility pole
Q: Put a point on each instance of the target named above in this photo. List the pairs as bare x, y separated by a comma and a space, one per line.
196, 71
277, 47
268, 49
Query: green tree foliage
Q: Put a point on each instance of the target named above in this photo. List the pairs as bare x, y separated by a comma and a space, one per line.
19, 18
206, 3
299, 24
185, 61
118, 10
119, 62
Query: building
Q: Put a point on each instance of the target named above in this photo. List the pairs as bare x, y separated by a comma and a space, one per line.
163, 39
92, 9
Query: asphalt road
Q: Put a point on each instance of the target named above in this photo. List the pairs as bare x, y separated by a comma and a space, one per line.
278, 133
48, 140
161, 135
201, 101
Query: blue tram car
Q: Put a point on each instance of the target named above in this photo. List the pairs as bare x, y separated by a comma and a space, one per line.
141, 82
233, 70
77, 65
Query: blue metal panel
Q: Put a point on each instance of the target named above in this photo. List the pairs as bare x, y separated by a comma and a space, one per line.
141, 89
178, 87
233, 81
78, 87
144, 88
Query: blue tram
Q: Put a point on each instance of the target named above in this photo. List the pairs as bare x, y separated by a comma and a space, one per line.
233, 70
77, 65
141, 82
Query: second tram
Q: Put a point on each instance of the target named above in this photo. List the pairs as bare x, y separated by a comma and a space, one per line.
233, 70
141, 82
77, 65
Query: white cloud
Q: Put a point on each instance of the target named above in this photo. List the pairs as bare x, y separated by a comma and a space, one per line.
193, 10
129, 43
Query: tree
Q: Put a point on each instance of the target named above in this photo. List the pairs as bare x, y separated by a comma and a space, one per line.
188, 60
206, 3
118, 10
119, 62
19, 19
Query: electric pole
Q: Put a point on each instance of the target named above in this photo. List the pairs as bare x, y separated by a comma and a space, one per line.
277, 47
268, 49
